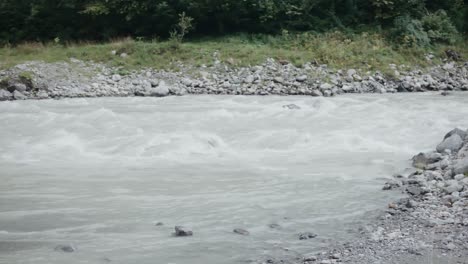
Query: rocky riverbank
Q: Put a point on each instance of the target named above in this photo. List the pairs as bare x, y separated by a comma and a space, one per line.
39, 80
430, 225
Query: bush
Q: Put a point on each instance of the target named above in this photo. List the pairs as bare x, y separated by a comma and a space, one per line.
409, 32
439, 28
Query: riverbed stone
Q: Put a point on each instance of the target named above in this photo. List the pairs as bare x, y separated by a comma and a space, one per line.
181, 231
19, 96
457, 131
307, 235
461, 166
453, 143
241, 231
5, 95
160, 91
65, 248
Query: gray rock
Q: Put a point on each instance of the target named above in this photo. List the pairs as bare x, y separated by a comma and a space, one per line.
181, 231
325, 86
301, 78
159, 224
160, 91
316, 93
390, 185
452, 186
278, 80
116, 77
249, 79
421, 160
291, 106
5, 95
306, 235
65, 248
19, 96
453, 143
274, 226
42, 95
461, 166
124, 55
241, 231
21, 87
457, 131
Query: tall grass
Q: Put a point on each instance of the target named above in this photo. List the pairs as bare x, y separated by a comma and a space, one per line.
365, 51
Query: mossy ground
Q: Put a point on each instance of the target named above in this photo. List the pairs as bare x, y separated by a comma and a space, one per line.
365, 51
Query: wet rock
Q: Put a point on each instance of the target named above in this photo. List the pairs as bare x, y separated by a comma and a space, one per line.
159, 224
181, 231
5, 95
421, 160
453, 143
456, 131
19, 96
274, 226
307, 235
65, 248
316, 93
241, 231
291, 107
390, 185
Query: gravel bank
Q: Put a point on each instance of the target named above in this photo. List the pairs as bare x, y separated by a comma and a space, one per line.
39, 80
430, 225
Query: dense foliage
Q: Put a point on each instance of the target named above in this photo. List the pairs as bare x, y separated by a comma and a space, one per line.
413, 21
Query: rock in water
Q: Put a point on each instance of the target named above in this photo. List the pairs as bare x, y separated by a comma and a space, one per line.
457, 131
291, 106
181, 231
307, 235
241, 231
160, 91
421, 160
65, 248
453, 143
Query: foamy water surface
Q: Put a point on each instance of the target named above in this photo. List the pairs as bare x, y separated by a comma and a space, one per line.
99, 173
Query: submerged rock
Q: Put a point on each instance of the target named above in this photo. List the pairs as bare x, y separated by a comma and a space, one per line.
65, 248
241, 231
291, 106
307, 235
181, 231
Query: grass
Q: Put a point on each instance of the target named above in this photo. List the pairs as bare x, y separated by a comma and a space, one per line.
366, 51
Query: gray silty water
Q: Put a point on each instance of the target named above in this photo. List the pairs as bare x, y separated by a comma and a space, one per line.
99, 173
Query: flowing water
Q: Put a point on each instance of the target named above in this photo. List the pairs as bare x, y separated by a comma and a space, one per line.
99, 173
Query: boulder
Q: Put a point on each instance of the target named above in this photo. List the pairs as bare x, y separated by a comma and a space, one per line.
456, 131
461, 166
181, 231
19, 96
453, 143
5, 95
421, 160
160, 91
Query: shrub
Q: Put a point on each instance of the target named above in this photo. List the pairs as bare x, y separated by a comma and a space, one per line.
409, 32
439, 27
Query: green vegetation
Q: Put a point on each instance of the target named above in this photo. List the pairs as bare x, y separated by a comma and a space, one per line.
65, 20
365, 34
366, 51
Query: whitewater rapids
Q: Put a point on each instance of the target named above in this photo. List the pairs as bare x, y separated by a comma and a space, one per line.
99, 173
